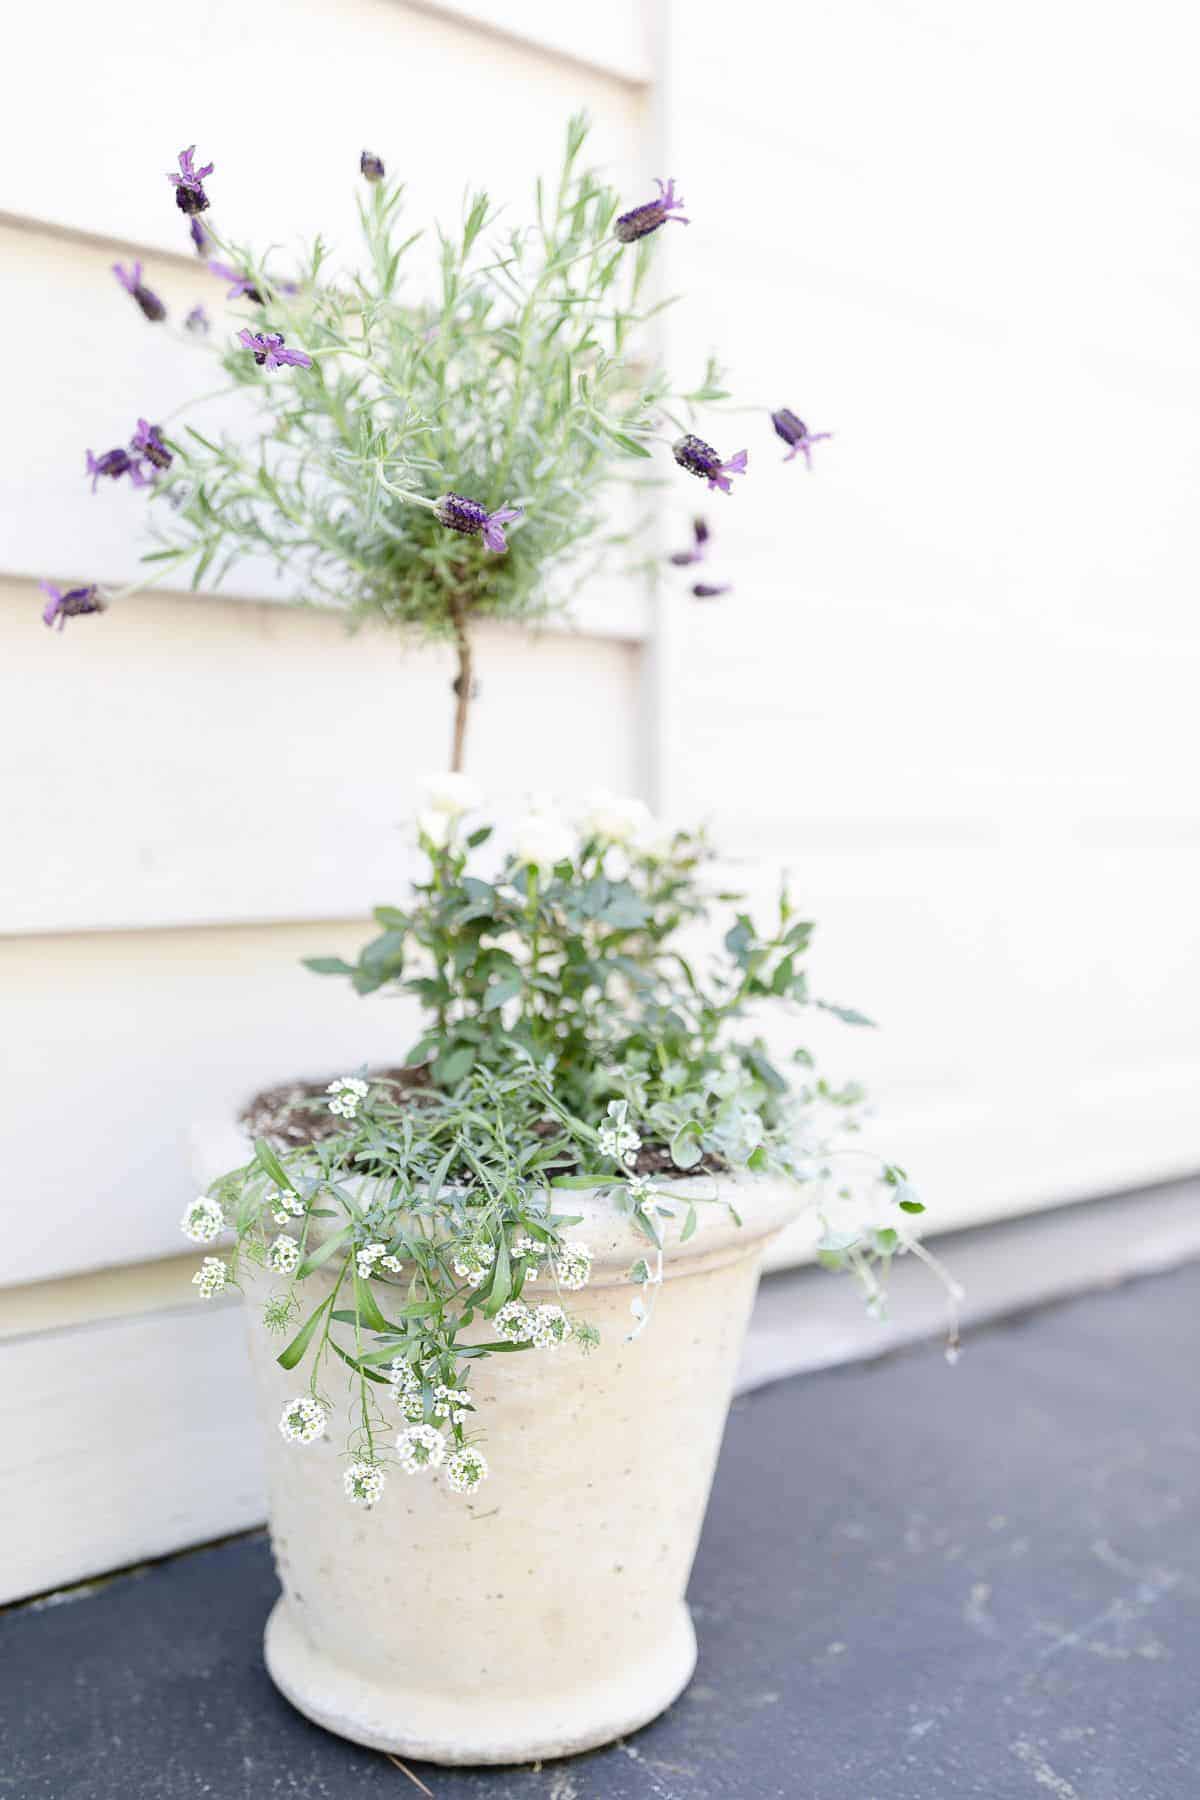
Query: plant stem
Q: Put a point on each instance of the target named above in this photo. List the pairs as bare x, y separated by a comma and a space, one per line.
463, 682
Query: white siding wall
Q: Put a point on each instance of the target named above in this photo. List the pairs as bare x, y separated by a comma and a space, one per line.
953, 691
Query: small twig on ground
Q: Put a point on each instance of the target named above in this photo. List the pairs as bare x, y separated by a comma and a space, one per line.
405, 1770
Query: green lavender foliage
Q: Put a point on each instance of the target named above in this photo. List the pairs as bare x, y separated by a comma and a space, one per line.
521, 380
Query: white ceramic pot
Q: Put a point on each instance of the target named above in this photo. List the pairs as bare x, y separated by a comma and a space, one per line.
545, 1613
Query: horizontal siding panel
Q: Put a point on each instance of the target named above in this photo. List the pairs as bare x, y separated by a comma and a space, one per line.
442, 101
190, 760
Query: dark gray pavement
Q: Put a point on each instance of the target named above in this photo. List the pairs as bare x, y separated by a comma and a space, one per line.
916, 1583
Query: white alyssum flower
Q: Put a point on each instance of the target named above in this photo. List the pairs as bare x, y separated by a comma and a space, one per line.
420, 1447
471, 1262
391, 1263
347, 1094
514, 1322
411, 1404
452, 794
544, 840
284, 1254
400, 1373
302, 1420
451, 1403
617, 1138
364, 1483
549, 1326
367, 1257
211, 1277
203, 1220
465, 1470
573, 1267
526, 1251
616, 818
641, 1190
285, 1205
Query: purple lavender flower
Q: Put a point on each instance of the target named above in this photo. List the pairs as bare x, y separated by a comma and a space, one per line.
268, 349
147, 443
60, 607
114, 464
710, 590
370, 166
242, 284
699, 458
190, 196
198, 236
645, 219
131, 281
795, 432
699, 550
458, 513
197, 320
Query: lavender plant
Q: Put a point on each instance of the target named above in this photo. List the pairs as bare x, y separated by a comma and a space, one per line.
571, 1039
429, 459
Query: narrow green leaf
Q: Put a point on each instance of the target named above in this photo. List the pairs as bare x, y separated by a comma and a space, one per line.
287, 1359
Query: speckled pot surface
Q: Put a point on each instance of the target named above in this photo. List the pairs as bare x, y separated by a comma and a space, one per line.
544, 1614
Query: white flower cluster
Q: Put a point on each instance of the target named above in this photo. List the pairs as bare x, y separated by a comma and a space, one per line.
616, 818
203, 1220
284, 1254
420, 1447
449, 797
543, 1326
471, 1262
302, 1420
364, 1483
285, 1205
211, 1277
451, 1403
573, 1267
466, 1469
348, 1093
526, 1251
617, 1138
543, 839
407, 1389
376, 1253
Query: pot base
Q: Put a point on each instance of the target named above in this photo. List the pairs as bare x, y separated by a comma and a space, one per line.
444, 1729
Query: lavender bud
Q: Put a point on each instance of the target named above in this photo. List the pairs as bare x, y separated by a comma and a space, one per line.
76, 601
131, 280
197, 320
198, 236
458, 513
706, 590
370, 166
645, 219
796, 435
699, 458
242, 284
190, 196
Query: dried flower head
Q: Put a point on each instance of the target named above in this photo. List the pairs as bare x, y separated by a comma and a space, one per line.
131, 280
644, 219
60, 607
190, 196
796, 434
457, 513
699, 458
370, 166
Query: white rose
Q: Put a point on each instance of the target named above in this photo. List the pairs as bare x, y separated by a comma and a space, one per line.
544, 840
436, 827
452, 794
615, 817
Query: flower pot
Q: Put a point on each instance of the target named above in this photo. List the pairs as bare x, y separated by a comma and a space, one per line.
544, 1614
